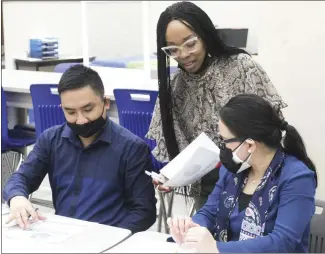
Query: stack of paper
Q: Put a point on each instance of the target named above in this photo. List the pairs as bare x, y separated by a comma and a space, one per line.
195, 161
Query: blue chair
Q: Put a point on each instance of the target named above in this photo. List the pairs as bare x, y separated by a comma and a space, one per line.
13, 143
47, 109
13, 139
135, 109
62, 67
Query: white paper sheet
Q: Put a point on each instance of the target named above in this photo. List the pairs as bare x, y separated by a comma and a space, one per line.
5, 209
195, 161
46, 231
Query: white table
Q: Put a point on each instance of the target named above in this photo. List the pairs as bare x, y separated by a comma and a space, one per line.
92, 237
38, 62
16, 84
145, 242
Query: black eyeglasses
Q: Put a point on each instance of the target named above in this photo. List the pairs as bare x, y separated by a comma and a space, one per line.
223, 142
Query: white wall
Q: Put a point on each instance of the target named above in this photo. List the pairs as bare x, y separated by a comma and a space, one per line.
114, 27
229, 14
291, 48
26, 19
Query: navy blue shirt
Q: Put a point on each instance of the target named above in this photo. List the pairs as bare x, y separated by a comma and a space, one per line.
104, 182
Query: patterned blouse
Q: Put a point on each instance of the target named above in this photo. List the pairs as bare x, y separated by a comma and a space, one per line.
198, 98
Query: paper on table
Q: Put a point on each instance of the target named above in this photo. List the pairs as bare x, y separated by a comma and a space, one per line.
5, 209
195, 161
47, 231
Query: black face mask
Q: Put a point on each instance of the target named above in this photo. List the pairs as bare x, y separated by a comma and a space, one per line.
88, 129
227, 161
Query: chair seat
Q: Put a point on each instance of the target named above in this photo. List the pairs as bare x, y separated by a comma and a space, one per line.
25, 127
19, 138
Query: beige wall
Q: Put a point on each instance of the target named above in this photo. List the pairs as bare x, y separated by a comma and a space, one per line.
292, 50
114, 27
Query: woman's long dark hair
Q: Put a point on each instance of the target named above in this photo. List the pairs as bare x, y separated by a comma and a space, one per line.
197, 20
250, 116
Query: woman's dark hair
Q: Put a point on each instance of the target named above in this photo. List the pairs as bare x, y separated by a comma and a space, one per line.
197, 20
250, 116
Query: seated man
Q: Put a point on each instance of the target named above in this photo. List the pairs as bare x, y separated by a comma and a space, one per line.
96, 168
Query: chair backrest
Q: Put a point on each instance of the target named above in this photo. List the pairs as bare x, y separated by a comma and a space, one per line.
317, 230
62, 67
47, 109
4, 121
135, 109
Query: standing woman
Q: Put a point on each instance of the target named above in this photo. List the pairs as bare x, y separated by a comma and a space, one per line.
209, 74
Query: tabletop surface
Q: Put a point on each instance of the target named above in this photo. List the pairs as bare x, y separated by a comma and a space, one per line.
145, 242
60, 234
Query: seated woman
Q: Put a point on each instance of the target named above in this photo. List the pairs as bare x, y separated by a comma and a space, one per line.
264, 199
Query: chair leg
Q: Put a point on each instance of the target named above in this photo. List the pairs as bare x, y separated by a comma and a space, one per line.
162, 212
192, 209
170, 204
13, 161
160, 217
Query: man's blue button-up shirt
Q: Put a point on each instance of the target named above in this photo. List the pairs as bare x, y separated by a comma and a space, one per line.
104, 182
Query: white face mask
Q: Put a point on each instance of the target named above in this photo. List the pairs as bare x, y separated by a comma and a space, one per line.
245, 165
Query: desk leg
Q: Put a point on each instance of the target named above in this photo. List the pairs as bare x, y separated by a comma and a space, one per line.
22, 115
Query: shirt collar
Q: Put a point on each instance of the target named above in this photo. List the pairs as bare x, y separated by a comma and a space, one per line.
104, 135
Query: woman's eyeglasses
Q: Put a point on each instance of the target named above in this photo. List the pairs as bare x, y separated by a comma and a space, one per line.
191, 45
223, 142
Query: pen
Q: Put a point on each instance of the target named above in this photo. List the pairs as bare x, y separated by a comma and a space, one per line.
35, 211
155, 176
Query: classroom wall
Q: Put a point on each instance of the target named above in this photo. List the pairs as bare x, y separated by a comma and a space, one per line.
23, 20
114, 27
226, 14
291, 49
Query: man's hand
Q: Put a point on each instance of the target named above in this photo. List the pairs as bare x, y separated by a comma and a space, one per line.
20, 210
179, 227
200, 239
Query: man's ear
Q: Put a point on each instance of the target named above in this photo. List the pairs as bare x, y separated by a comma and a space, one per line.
107, 102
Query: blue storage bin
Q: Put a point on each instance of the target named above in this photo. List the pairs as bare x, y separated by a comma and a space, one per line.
46, 48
